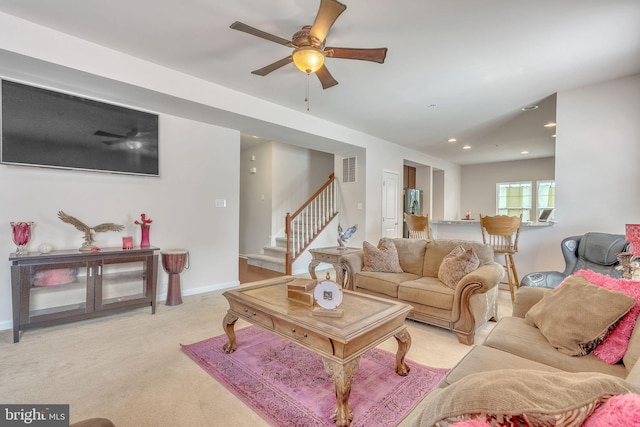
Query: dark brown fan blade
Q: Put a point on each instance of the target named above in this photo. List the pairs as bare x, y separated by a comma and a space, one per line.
114, 141
272, 67
326, 78
327, 14
108, 134
375, 55
259, 33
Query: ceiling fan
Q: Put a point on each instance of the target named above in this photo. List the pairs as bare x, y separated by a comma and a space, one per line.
309, 45
133, 140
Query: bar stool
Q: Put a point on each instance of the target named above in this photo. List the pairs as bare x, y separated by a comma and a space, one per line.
418, 226
502, 232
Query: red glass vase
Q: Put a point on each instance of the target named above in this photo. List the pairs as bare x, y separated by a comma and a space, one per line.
144, 241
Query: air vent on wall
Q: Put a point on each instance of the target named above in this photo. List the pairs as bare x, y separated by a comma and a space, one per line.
349, 169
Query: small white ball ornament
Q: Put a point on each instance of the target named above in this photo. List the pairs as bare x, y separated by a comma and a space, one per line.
44, 248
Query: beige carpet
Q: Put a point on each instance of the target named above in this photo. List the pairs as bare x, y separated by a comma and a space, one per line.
129, 367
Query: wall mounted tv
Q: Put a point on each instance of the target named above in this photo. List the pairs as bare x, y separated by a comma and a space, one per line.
44, 128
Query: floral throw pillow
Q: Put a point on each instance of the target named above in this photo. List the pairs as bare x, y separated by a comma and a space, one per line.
382, 259
457, 264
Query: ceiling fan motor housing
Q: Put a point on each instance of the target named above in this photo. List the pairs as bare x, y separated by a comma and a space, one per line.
302, 38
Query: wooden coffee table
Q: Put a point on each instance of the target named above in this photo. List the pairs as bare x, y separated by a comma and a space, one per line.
340, 341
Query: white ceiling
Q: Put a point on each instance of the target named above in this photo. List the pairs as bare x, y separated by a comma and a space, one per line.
454, 68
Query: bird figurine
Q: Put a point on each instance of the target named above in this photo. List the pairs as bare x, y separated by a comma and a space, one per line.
89, 232
344, 235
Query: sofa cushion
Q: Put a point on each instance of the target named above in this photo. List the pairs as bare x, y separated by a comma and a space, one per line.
522, 397
457, 264
428, 291
384, 258
514, 335
578, 316
615, 345
438, 249
482, 358
382, 283
411, 254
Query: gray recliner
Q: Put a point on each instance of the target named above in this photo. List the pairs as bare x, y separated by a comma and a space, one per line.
591, 251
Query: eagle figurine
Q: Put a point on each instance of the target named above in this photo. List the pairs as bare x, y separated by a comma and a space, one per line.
344, 235
89, 232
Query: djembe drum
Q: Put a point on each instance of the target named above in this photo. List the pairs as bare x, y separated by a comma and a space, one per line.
173, 262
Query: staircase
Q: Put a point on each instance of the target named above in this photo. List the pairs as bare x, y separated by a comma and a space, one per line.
301, 229
272, 257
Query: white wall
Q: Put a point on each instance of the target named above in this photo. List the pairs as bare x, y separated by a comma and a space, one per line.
598, 150
479, 182
597, 147
181, 203
255, 198
352, 198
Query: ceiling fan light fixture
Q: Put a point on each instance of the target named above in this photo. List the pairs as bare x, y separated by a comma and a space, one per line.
308, 59
133, 144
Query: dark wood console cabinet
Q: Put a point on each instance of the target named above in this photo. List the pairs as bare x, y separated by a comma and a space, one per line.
64, 286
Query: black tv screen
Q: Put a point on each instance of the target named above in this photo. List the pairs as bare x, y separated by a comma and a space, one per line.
44, 128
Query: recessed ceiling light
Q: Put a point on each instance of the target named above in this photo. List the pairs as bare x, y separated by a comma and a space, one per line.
451, 140
466, 147
524, 152
553, 136
550, 125
529, 108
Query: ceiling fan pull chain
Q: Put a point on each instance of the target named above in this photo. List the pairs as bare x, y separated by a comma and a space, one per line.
306, 99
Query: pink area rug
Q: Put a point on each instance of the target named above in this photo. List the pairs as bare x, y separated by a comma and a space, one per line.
288, 386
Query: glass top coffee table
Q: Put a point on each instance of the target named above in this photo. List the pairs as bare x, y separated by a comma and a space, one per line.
339, 341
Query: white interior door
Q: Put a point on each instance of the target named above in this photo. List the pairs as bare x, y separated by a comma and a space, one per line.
390, 201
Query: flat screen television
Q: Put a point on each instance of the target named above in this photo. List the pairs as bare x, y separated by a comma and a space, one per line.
44, 128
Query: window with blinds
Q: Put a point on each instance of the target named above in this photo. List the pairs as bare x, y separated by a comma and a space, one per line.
513, 199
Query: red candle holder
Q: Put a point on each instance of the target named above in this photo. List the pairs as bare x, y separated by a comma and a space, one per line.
127, 242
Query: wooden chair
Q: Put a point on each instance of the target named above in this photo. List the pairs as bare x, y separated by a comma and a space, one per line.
418, 226
502, 232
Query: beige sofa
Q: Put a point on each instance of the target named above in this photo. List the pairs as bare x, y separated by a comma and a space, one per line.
462, 310
516, 352
514, 343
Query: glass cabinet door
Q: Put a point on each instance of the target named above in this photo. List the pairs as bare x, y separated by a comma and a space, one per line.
122, 283
57, 290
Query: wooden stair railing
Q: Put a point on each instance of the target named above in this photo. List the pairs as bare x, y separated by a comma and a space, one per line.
304, 225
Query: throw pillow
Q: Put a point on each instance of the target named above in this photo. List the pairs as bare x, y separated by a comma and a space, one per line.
457, 264
578, 316
382, 259
614, 347
619, 410
521, 397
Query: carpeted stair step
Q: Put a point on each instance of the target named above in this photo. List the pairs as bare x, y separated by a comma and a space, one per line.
275, 251
281, 242
267, 262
